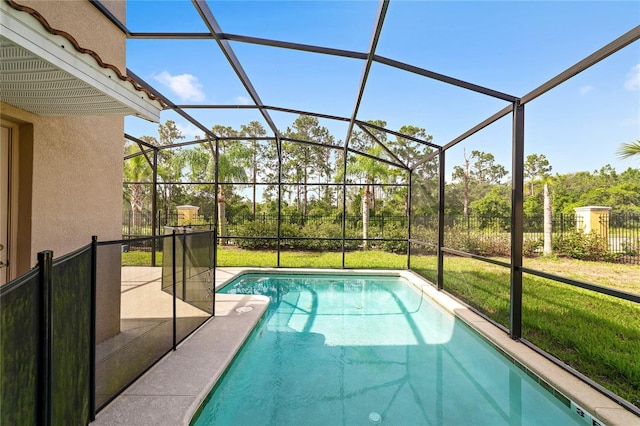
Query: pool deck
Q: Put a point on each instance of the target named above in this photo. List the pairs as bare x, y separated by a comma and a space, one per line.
172, 390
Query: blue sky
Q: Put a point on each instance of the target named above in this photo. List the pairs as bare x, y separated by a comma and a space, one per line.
510, 46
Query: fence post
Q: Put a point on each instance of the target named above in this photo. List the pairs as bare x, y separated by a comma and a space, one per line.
45, 265
92, 331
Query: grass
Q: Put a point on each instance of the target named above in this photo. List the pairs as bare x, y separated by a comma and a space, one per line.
597, 334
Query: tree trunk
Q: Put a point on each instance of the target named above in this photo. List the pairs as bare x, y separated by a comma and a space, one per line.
222, 217
136, 204
255, 173
548, 224
305, 194
465, 206
365, 218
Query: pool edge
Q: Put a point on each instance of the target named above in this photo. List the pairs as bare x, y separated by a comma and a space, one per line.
581, 394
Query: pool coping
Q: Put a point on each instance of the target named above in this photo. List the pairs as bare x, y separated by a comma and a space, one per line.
172, 391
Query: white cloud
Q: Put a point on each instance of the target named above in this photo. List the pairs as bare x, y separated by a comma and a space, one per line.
633, 78
186, 86
242, 100
189, 131
585, 89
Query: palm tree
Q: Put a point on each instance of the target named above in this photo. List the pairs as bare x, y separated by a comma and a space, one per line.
136, 169
629, 149
368, 170
230, 169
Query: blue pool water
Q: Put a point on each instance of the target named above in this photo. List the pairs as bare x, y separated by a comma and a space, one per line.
337, 350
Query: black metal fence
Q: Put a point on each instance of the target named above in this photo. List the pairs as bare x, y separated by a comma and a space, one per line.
68, 348
620, 232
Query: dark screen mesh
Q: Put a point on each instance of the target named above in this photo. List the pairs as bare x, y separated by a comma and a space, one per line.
19, 311
71, 323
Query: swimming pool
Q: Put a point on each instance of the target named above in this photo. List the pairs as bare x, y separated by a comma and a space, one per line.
341, 349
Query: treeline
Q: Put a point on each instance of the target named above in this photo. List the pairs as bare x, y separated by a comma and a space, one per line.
312, 173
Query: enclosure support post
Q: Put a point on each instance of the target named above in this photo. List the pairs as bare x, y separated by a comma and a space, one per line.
517, 198
215, 220
154, 207
409, 220
92, 330
214, 261
279, 148
216, 225
173, 279
344, 204
184, 264
45, 265
441, 187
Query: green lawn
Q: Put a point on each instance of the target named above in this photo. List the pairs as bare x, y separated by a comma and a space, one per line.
596, 334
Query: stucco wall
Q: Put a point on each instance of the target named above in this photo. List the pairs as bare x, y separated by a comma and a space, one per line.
76, 192
77, 168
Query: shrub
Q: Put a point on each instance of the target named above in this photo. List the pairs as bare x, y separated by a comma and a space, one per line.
315, 230
532, 246
256, 229
579, 245
631, 247
398, 247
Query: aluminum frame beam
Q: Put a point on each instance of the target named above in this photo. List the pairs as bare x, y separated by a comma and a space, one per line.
375, 37
475, 129
207, 16
383, 146
600, 54
445, 79
398, 134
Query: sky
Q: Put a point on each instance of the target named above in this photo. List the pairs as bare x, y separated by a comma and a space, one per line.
509, 46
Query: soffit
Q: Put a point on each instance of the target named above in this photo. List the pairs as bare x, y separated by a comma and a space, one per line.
44, 73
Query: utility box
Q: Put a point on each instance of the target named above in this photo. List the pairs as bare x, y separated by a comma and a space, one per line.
593, 219
187, 214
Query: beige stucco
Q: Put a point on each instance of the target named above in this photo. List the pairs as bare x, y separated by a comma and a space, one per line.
593, 219
87, 25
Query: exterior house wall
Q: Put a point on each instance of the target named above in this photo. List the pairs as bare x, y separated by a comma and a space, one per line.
75, 168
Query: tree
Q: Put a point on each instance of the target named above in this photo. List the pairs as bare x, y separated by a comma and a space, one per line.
485, 170
232, 158
367, 170
547, 234
536, 166
410, 152
303, 162
258, 156
493, 209
478, 176
171, 163
462, 174
629, 149
136, 169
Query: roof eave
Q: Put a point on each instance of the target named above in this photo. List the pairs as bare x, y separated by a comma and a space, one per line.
80, 87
